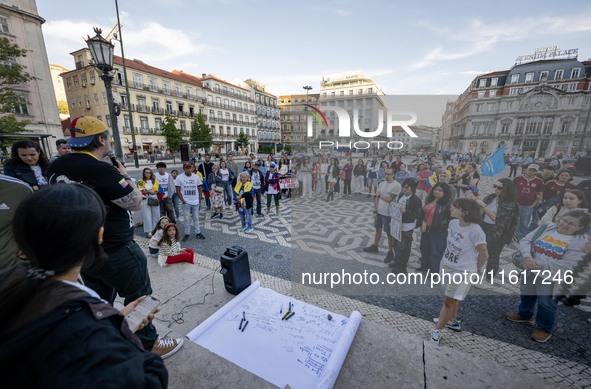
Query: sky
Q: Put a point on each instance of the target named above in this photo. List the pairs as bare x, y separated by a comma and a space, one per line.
407, 47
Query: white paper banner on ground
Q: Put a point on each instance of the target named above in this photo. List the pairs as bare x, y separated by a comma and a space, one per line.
305, 351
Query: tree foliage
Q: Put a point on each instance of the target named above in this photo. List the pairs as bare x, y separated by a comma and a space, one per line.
172, 134
201, 133
62, 107
243, 140
12, 77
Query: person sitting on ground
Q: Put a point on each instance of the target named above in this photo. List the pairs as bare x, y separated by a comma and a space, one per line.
68, 336
157, 235
170, 248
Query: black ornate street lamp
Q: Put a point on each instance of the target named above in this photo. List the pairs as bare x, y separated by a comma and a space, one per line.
102, 55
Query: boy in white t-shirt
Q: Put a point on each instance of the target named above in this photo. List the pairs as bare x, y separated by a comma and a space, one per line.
188, 188
465, 252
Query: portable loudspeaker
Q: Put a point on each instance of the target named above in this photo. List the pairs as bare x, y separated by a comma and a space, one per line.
235, 269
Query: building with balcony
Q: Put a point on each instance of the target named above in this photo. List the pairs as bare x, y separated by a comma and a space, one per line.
539, 107
229, 110
21, 24
153, 93
267, 113
353, 92
294, 114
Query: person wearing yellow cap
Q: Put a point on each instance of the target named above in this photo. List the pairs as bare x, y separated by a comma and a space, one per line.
125, 272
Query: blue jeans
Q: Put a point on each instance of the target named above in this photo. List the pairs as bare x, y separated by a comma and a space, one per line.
175, 204
246, 217
547, 306
433, 246
257, 195
189, 210
525, 215
228, 191
125, 272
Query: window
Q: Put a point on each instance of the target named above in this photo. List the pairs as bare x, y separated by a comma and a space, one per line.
96, 98
575, 73
76, 81
505, 127
519, 127
558, 74
126, 122
178, 89
92, 79
514, 78
181, 107
359, 91
104, 97
572, 87
69, 82
189, 92
341, 93
169, 106
158, 124
123, 100
137, 81
480, 95
4, 25
571, 101
544, 75
20, 107
482, 83
565, 126
369, 90
494, 81
156, 104
144, 123
183, 125
153, 84
548, 124
492, 93
166, 87
529, 77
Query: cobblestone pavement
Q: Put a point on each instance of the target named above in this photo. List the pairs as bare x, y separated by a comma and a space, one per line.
312, 235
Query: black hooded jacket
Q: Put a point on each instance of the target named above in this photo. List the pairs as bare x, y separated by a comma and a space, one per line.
60, 337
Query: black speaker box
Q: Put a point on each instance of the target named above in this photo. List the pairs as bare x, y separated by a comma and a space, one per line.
185, 152
235, 269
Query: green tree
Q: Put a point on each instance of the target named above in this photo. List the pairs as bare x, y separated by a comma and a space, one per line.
201, 133
172, 134
12, 77
62, 107
242, 140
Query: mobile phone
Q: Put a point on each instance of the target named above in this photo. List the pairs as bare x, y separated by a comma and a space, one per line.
141, 311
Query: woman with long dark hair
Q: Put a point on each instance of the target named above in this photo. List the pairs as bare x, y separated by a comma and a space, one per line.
148, 185
333, 176
436, 217
571, 200
67, 335
28, 163
501, 215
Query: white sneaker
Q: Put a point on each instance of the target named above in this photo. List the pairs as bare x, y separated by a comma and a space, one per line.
436, 336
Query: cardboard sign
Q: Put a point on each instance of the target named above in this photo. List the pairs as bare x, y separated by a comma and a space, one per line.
289, 183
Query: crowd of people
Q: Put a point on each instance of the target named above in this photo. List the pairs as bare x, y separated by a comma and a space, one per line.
58, 289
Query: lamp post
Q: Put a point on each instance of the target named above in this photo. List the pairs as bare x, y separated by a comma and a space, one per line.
308, 88
120, 39
102, 54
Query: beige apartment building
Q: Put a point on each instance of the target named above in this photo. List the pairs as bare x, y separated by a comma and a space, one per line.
21, 24
229, 110
268, 115
153, 93
294, 115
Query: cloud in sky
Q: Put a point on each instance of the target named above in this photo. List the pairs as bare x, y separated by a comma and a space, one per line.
479, 37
